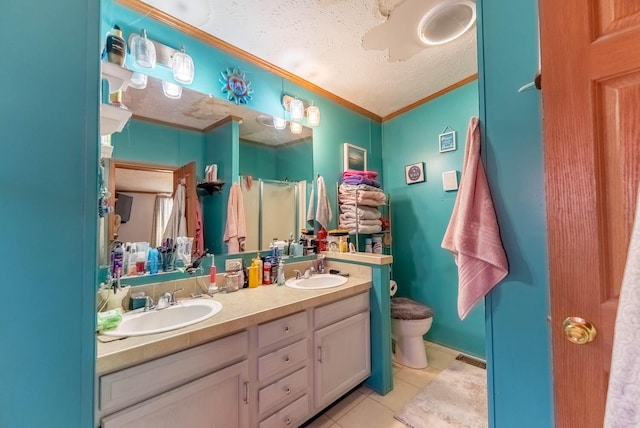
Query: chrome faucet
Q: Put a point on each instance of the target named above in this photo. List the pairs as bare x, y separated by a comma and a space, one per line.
167, 299
148, 303
309, 272
298, 274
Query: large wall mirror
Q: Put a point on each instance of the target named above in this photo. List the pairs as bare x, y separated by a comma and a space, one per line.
164, 135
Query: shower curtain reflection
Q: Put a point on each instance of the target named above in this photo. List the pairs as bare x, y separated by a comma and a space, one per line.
161, 212
271, 211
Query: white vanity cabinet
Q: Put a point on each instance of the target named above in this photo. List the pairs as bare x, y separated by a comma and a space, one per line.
199, 387
283, 372
342, 348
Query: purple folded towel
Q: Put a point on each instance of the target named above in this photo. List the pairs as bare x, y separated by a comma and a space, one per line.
358, 179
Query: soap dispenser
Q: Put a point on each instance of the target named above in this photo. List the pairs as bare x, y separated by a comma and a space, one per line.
281, 278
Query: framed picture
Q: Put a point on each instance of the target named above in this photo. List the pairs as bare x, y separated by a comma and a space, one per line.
447, 141
414, 173
354, 157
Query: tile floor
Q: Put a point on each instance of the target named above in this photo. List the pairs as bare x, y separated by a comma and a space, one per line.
365, 408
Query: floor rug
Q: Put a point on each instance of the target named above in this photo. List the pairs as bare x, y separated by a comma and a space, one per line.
457, 397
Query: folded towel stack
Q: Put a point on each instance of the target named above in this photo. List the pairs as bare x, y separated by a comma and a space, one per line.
359, 195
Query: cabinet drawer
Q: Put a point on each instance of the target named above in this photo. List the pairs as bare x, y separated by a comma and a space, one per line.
290, 416
333, 312
277, 361
281, 329
123, 388
280, 392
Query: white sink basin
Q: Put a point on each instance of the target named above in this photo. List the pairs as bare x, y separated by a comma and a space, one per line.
186, 312
316, 282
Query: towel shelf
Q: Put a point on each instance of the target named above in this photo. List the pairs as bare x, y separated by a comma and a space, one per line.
211, 186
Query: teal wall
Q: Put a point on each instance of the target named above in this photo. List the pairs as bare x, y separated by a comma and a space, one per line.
48, 183
222, 145
142, 141
295, 161
420, 213
258, 160
518, 342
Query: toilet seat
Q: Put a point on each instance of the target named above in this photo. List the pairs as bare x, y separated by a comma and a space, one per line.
403, 308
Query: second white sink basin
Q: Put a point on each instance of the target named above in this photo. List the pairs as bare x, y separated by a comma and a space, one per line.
316, 282
186, 312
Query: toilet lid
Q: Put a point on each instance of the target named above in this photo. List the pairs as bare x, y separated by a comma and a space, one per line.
407, 309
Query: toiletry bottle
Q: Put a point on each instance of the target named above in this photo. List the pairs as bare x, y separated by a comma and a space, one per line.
253, 276
117, 257
213, 288
322, 239
116, 47
152, 261
266, 275
132, 260
260, 267
281, 278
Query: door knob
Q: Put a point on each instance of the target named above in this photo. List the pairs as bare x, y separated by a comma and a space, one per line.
578, 330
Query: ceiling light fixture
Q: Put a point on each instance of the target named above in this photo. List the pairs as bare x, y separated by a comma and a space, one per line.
171, 90
183, 70
446, 21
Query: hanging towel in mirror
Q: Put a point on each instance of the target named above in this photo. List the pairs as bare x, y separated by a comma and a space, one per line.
235, 231
323, 210
473, 235
177, 224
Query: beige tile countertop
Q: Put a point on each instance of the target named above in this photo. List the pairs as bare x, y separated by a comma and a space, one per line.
368, 258
240, 310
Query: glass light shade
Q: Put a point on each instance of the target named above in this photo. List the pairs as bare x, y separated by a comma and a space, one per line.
279, 123
296, 128
296, 108
144, 52
183, 69
171, 90
138, 81
313, 115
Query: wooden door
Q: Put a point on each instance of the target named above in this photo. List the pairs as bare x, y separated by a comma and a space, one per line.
591, 116
188, 174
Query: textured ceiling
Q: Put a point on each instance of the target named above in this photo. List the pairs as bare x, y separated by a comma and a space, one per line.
365, 51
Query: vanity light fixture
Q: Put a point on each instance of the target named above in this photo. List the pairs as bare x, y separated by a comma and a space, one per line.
138, 80
171, 90
183, 70
295, 127
296, 108
313, 115
143, 50
279, 123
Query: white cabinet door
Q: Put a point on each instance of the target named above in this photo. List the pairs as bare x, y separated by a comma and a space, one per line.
342, 358
216, 400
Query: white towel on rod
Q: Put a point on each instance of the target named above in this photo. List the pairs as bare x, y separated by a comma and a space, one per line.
323, 209
622, 410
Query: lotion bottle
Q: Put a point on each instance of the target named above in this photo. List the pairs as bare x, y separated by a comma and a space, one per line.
213, 288
281, 278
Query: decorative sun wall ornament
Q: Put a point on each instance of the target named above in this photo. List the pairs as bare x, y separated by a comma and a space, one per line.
236, 86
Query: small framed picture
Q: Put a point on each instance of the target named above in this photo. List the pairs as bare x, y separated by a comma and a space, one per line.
354, 157
447, 141
414, 173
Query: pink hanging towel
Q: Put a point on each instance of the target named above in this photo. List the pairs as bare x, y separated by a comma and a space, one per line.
472, 234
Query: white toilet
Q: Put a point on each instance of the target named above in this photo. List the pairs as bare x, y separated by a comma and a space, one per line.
410, 321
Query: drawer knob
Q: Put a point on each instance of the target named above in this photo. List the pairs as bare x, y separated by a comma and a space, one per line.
287, 391
286, 329
287, 359
288, 421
